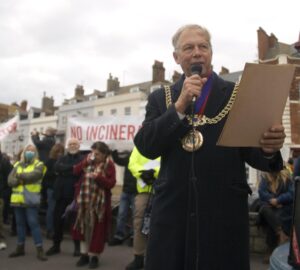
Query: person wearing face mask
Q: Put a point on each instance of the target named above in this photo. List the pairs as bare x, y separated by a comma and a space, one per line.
25, 180
63, 193
200, 207
93, 198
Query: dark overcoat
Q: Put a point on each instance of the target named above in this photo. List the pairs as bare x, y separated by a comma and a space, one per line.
201, 223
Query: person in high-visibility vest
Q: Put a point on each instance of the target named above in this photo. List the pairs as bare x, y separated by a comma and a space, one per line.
145, 171
25, 180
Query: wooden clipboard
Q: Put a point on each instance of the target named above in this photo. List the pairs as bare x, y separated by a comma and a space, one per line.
259, 104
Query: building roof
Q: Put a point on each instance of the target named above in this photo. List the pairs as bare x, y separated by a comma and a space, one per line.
281, 48
232, 77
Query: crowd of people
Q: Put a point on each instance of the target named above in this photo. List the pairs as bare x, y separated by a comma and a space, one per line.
76, 188
195, 191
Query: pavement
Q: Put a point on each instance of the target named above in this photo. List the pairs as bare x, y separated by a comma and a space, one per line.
113, 258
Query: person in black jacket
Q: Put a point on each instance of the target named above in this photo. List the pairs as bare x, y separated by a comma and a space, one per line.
64, 193
44, 146
126, 199
200, 206
48, 185
5, 190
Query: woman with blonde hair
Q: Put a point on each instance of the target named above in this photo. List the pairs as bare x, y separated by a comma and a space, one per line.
276, 191
25, 180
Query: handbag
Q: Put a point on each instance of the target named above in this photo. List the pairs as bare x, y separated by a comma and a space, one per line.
31, 198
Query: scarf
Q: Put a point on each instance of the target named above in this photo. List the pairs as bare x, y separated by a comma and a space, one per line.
91, 198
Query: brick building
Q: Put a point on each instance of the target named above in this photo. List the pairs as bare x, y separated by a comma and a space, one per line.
273, 52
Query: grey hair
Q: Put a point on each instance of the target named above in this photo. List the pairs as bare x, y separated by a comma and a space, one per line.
189, 27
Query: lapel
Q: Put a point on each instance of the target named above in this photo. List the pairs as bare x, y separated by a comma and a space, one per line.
176, 89
217, 98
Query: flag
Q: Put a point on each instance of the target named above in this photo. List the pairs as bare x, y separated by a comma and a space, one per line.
8, 128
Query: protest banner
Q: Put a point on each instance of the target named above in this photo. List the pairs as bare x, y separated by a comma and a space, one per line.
116, 131
8, 128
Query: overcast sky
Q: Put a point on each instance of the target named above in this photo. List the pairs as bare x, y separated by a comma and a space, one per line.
53, 45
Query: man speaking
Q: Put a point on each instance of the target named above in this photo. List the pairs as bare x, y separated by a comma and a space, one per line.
200, 212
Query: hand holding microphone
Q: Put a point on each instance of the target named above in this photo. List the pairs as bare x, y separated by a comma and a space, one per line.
191, 88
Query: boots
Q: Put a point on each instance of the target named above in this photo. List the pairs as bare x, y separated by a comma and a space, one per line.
137, 263
40, 254
55, 249
83, 260
18, 252
94, 262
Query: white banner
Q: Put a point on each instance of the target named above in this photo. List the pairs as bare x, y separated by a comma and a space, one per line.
117, 131
8, 128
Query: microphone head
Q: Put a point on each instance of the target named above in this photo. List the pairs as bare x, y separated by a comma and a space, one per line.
196, 69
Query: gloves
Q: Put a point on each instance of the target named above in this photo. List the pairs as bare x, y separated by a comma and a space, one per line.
148, 176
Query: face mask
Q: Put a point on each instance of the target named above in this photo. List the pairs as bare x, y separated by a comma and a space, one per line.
29, 155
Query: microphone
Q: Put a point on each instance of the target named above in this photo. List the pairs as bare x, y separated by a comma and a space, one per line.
196, 69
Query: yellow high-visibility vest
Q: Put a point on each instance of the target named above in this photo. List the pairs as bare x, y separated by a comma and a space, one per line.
17, 196
138, 162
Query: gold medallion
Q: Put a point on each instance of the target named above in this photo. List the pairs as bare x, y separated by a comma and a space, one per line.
192, 141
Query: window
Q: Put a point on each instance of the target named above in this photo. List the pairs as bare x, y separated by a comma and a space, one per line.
64, 119
100, 113
110, 94
113, 111
127, 111
134, 89
93, 98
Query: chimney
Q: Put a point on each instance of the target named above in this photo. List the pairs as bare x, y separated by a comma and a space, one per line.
158, 72
23, 105
79, 91
176, 76
263, 43
224, 71
47, 103
112, 83
272, 40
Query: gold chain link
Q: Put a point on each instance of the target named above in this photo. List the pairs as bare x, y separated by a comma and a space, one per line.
200, 120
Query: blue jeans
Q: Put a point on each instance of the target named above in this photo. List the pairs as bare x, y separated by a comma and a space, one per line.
50, 211
126, 203
31, 215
